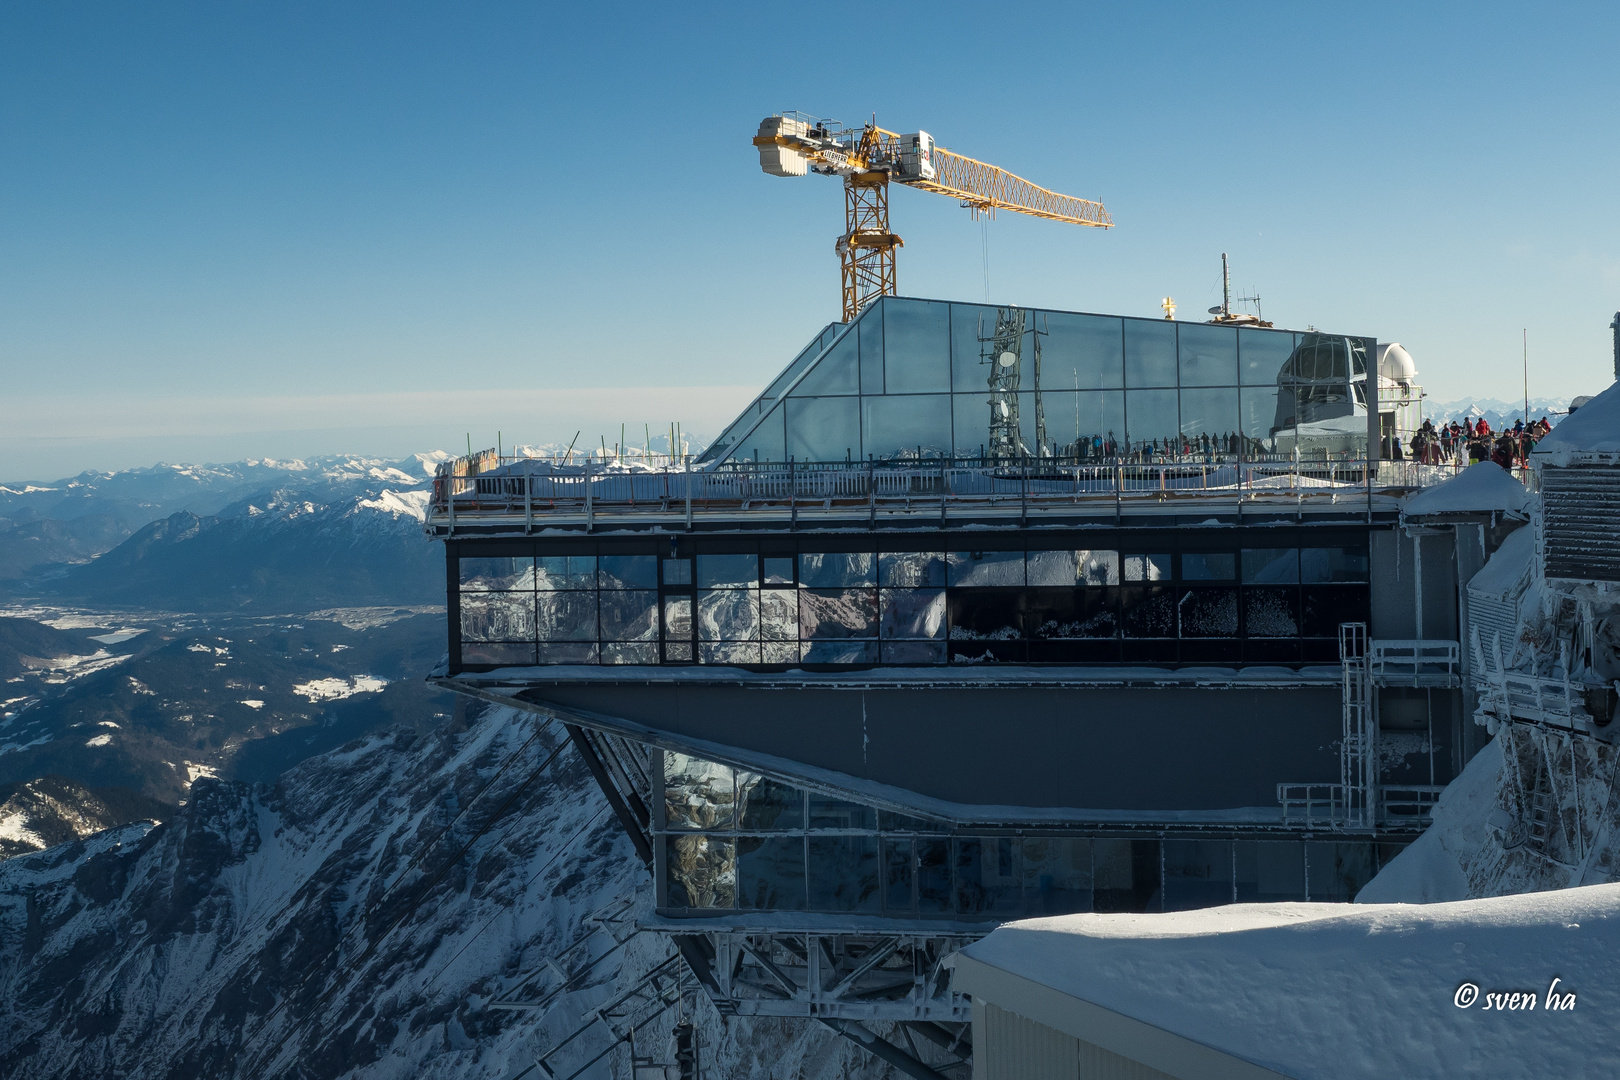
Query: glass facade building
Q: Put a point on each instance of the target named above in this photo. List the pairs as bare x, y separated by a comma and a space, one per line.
734, 840
1102, 596
922, 379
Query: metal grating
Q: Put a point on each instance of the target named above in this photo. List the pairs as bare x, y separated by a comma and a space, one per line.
1580, 508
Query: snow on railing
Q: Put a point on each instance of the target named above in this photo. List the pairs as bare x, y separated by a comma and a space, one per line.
542, 487
1420, 662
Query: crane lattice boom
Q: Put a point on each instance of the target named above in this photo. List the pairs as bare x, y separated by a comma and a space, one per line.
792, 144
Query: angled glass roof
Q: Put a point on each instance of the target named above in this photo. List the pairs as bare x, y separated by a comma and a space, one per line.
914, 379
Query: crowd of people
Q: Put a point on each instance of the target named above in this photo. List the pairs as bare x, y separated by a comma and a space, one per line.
1475, 441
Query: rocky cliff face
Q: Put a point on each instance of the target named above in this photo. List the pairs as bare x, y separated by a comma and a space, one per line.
355, 919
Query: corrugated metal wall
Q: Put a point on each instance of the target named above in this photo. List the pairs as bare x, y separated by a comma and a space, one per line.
1008, 1046
1581, 521
1489, 616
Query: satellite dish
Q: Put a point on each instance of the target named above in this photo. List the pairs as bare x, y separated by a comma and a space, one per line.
1002, 405
1215, 311
1007, 359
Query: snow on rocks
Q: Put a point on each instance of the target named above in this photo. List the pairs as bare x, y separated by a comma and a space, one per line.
1594, 428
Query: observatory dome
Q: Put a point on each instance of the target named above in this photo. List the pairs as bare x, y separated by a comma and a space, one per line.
1395, 363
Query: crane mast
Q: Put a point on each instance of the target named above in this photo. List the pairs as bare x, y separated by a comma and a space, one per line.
868, 157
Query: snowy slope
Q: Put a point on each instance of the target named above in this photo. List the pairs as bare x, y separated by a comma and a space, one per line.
354, 920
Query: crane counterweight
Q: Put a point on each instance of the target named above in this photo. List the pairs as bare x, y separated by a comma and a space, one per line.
868, 157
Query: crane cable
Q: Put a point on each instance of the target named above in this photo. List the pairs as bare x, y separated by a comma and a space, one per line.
388, 890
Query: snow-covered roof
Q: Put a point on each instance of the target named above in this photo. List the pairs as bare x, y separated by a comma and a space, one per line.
1593, 428
1504, 572
1484, 487
1325, 990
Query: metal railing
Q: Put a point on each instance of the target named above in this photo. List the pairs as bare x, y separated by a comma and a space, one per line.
1416, 662
1331, 806
548, 488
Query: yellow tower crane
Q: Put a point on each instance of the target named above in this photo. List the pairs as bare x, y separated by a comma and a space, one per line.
793, 144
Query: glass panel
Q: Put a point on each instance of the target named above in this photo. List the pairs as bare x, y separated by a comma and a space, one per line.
729, 652
570, 652
969, 372
1068, 614
843, 872
846, 651
779, 616
1080, 425
565, 616
933, 875
728, 571
1262, 354
1057, 875
1152, 421
987, 615
1099, 567
565, 572
504, 655
779, 652
488, 574
1149, 612
836, 568
989, 879
1208, 355
980, 568
970, 424
1270, 611
906, 427
1268, 872
1053, 567
497, 616
1126, 875
916, 346
911, 569
1147, 568
1208, 566
1081, 352
913, 613
870, 329
837, 373
1197, 874
1333, 564
697, 793
824, 429
764, 805
778, 571
766, 442
628, 572
770, 872
837, 613
677, 571
827, 812
629, 615
1209, 419
1324, 607
1150, 352
897, 856
913, 652
626, 653
728, 615
1270, 566
1336, 872
677, 618
701, 871
1259, 419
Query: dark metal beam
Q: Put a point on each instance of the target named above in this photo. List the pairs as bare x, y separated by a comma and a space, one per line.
627, 817
882, 1049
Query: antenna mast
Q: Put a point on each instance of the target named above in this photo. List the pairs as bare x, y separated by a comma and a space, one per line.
1226, 287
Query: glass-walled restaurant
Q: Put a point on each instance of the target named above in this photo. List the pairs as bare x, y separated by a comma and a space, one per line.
930, 379
731, 839
1275, 596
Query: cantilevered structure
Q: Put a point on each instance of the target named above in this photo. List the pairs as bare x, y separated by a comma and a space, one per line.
979, 612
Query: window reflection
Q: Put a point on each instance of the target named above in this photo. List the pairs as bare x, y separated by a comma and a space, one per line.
1150, 353
824, 429
906, 427
1208, 355
916, 346
1082, 352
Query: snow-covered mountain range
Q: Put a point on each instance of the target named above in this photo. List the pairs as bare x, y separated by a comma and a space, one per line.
358, 918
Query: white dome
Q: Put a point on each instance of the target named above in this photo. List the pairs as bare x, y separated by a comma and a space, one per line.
1395, 363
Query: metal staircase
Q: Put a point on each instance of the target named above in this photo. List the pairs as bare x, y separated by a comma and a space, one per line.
1358, 753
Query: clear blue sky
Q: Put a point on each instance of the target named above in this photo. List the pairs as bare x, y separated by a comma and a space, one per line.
291, 229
